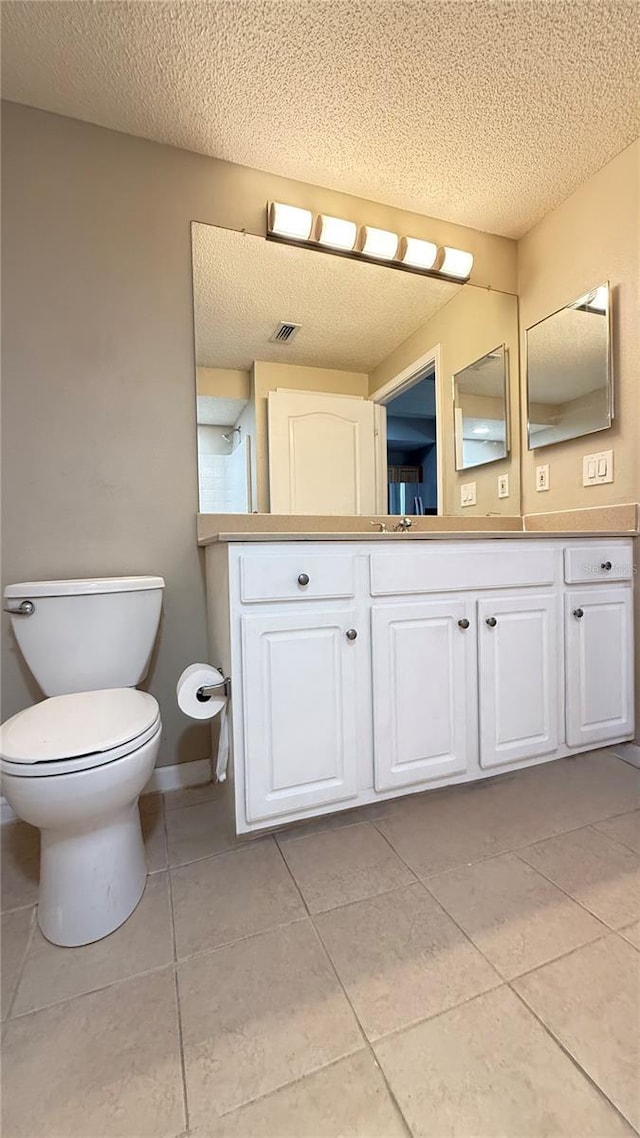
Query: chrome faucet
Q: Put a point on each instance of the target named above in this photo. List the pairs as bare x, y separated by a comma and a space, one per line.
404, 525
380, 526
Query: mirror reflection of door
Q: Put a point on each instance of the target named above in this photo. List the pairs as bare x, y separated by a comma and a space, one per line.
412, 471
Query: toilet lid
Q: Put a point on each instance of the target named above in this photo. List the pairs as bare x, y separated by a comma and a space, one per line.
84, 723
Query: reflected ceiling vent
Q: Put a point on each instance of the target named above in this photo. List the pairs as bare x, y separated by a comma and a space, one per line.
284, 332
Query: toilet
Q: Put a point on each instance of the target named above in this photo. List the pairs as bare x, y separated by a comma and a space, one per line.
75, 764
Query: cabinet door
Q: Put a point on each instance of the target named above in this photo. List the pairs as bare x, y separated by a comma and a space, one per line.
423, 697
518, 645
599, 665
299, 711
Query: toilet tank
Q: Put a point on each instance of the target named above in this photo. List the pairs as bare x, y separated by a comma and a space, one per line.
86, 635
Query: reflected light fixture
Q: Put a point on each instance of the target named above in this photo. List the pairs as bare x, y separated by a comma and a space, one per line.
378, 243
456, 263
417, 253
290, 221
334, 234
337, 233
480, 430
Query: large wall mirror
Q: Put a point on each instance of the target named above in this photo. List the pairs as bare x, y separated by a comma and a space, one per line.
315, 391
481, 410
569, 373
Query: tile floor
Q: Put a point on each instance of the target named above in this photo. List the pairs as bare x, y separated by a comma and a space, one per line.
464, 962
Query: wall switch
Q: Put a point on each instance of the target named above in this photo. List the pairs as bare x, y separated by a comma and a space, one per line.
503, 486
597, 468
542, 477
468, 494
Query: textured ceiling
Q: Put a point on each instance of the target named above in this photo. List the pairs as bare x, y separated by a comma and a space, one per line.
483, 112
352, 314
215, 412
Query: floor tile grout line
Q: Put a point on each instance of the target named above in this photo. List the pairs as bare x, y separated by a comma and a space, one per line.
23, 960
490, 857
18, 908
617, 841
572, 1058
566, 893
294, 1082
606, 931
292, 877
169, 964
176, 985
365, 1037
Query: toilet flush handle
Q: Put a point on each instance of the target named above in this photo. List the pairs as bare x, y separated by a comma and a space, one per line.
21, 608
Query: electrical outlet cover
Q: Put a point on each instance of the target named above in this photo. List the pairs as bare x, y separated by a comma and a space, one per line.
542, 477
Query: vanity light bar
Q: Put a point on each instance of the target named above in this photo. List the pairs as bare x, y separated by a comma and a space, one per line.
336, 233
346, 238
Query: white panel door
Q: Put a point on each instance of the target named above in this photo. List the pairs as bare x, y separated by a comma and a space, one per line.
423, 691
322, 457
599, 665
299, 711
518, 646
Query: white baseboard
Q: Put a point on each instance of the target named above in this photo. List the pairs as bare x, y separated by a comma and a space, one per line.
630, 752
179, 775
175, 777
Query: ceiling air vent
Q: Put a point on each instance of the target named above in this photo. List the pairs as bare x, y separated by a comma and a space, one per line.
285, 332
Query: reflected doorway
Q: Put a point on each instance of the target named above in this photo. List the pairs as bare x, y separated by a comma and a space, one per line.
412, 455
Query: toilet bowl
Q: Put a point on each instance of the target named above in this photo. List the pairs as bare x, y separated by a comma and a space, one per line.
74, 764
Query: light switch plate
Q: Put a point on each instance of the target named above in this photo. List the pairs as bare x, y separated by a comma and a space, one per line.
597, 468
468, 494
503, 485
542, 477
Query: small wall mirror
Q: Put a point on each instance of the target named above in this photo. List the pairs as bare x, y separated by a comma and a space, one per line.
569, 374
480, 410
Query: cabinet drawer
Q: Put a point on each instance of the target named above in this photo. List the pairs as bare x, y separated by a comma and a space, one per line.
605, 561
281, 577
433, 570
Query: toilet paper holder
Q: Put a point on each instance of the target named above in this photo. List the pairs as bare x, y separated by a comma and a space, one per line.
204, 694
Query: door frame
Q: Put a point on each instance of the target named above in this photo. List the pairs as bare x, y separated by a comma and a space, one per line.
401, 382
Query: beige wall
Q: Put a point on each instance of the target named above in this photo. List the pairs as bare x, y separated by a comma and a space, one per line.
471, 324
267, 377
223, 382
593, 236
99, 454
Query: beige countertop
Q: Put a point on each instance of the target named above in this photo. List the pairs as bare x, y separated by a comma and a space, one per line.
603, 521
440, 535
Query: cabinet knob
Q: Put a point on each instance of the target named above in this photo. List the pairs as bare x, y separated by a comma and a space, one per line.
491, 621
578, 613
352, 634
606, 565
303, 579
464, 623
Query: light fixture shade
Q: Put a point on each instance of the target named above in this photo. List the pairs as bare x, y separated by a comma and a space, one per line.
456, 263
336, 233
417, 253
378, 243
290, 221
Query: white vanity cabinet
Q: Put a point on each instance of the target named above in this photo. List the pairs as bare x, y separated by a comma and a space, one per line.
423, 690
368, 669
299, 700
519, 645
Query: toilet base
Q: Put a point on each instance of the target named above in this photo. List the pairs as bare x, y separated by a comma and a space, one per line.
91, 880
92, 862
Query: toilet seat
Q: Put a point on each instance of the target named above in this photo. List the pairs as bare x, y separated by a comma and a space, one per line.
76, 732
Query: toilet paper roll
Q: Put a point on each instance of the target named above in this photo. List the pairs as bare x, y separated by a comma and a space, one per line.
192, 679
